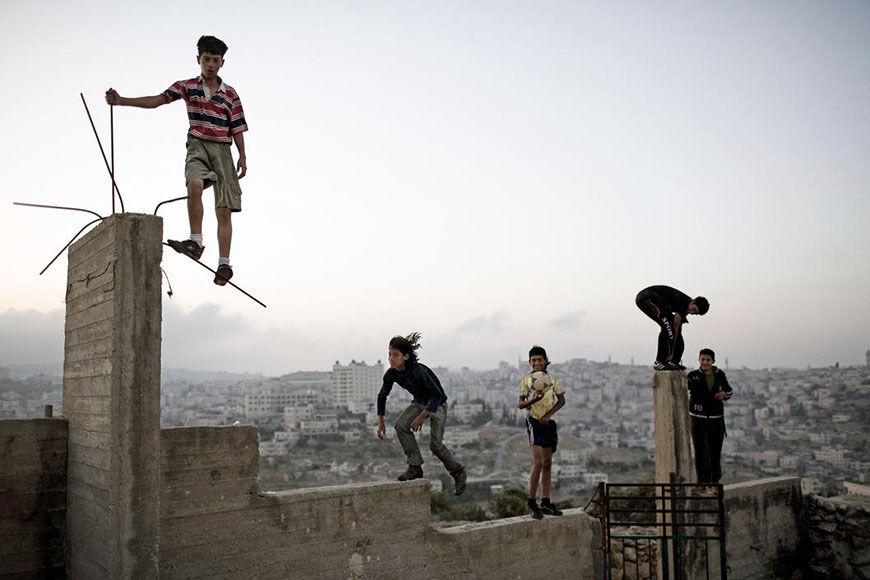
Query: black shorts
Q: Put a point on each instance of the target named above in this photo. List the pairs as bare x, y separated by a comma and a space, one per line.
542, 435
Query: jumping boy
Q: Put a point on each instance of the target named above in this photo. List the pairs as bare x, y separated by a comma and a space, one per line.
668, 307
542, 404
429, 402
216, 120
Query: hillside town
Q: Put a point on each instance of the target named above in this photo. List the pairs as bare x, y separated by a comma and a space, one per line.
317, 428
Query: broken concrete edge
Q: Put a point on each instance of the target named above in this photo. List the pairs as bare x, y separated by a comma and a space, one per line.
785, 481
346, 490
567, 517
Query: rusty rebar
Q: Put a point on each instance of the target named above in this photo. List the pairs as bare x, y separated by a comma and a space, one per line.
103, 152
58, 207
228, 282
168, 201
112, 148
70, 243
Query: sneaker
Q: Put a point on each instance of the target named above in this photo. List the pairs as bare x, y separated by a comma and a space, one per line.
550, 509
676, 367
704, 491
459, 481
536, 511
223, 275
189, 248
413, 472
660, 366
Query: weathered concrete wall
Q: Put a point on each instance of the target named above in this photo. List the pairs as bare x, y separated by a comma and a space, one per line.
215, 524
111, 392
837, 531
672, 430
762, 519
518, 548
33, 457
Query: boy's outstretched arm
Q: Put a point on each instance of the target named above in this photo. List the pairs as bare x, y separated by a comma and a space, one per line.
113, 98
242, 164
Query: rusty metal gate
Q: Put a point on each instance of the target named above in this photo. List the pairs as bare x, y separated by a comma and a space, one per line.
661, 531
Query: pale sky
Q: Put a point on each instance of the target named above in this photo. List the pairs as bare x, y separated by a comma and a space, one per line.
492, 174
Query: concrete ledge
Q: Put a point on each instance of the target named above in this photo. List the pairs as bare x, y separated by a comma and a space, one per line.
506, 548
763, 485
352, 489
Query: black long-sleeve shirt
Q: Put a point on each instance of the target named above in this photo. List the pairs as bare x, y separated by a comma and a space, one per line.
417, 379
670, 299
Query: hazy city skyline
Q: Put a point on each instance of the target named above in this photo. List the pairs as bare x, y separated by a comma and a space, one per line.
492, 175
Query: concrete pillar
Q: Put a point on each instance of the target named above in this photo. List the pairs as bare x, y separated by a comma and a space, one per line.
673, 455
111, 396
672, 429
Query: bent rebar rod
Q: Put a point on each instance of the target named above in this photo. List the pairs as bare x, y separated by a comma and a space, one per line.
69, 244
168, 201
103, 152
228, 282
99, 218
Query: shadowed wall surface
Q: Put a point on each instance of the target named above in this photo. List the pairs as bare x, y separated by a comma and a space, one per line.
33, 463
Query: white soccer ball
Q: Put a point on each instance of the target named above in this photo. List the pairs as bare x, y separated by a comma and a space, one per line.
541, 381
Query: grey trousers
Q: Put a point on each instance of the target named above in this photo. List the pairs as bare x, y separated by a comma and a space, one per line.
436, 438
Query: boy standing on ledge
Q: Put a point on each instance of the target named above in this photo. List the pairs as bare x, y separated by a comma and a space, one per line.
541, 394
429, 402
216, 120
708, 388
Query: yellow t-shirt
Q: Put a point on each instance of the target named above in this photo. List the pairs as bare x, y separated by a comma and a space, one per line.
548, 401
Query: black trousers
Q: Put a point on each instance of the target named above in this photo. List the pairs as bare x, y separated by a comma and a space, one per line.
707, 438
670, 344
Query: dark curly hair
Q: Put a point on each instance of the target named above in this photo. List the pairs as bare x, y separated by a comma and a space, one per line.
539, 351
212, 45
407, 345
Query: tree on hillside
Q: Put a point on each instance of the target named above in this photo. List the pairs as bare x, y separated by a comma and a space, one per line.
509, 503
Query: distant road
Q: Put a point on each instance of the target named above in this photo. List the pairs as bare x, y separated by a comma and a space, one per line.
499, 457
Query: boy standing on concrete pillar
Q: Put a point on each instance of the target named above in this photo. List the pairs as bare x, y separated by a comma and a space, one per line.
429, 402
542, 395
216, 120
668, 307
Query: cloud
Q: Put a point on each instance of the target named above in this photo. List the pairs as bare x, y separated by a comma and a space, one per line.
208, 339
568, 321
30, 336
494, 324
205, 338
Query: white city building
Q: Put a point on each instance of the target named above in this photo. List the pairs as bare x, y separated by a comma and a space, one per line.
270, 403
355, 385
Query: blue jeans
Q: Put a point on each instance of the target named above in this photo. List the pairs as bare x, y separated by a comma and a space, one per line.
436, 437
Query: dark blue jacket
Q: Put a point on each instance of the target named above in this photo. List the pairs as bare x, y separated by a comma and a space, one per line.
417, 379
702, 402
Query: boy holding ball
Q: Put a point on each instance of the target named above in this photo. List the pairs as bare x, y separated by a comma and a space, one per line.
542, 395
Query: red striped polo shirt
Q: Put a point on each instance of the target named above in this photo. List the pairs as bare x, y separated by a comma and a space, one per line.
214, 119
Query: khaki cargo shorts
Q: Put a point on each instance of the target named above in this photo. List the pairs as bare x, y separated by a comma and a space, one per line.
213, 163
